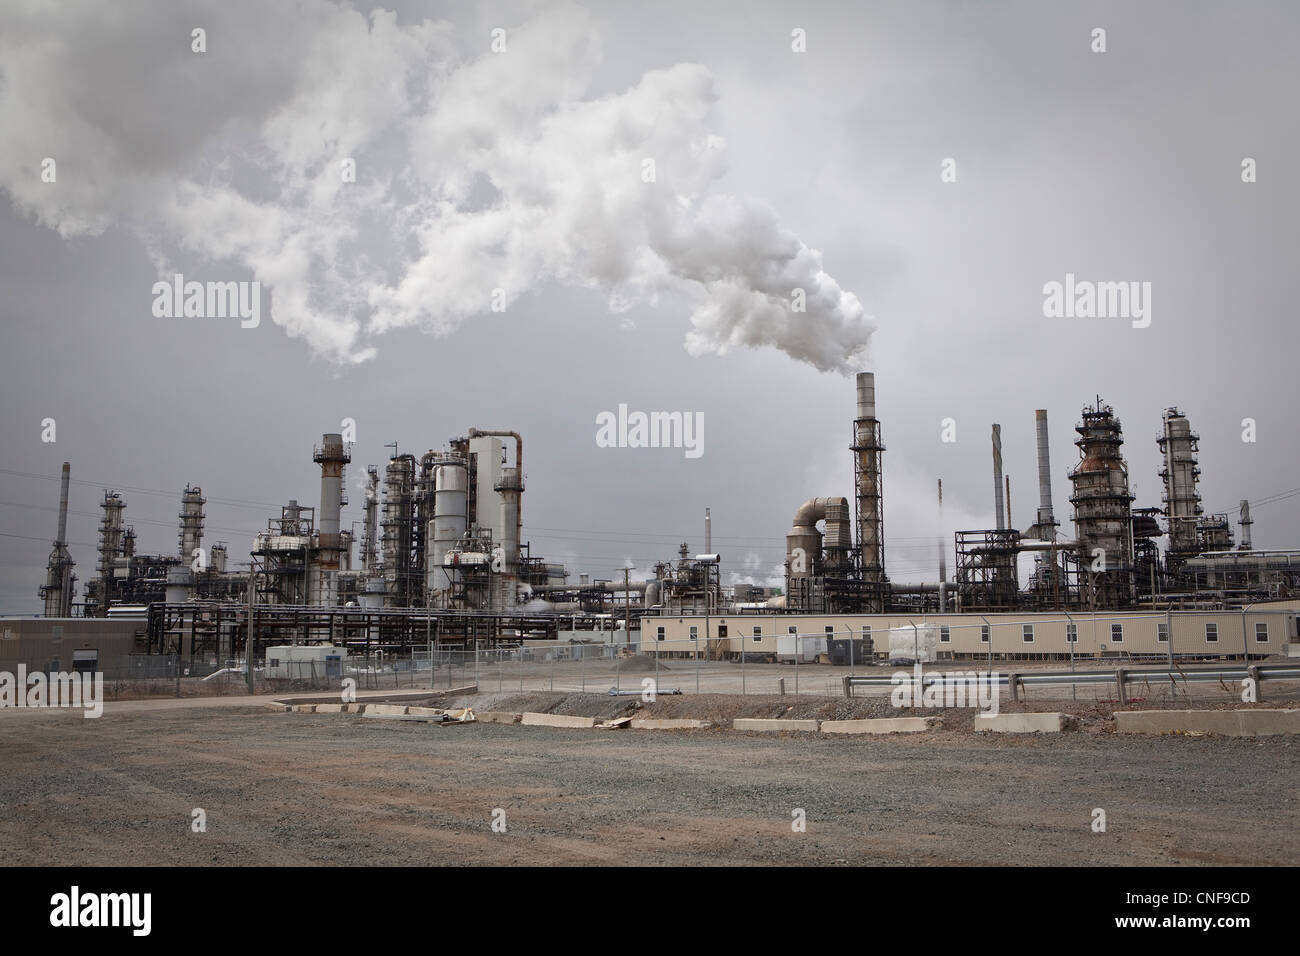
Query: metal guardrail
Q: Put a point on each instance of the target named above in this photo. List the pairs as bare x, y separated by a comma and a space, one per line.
1120, 677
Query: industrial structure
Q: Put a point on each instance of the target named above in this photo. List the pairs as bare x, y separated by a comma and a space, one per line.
443, 558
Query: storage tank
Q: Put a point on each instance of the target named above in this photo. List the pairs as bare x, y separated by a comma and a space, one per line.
450, 504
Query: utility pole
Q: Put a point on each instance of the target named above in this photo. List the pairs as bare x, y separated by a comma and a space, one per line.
248, 651
627, 604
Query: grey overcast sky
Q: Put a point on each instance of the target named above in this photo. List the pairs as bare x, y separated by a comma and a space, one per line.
524, 169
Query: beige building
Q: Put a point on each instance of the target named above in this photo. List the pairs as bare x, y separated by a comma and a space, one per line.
1260, 631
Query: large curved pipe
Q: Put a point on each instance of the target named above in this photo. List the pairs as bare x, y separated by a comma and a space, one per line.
834, 511
803, 543
519, 443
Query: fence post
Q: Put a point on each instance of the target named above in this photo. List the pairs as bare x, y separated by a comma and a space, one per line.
1119, 686
1013, 686
848, 688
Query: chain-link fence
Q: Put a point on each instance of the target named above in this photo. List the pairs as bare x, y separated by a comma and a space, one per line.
795, 664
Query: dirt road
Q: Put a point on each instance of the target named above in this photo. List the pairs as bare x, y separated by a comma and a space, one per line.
340, 789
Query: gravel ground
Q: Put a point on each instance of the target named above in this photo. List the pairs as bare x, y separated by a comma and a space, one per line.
338, 789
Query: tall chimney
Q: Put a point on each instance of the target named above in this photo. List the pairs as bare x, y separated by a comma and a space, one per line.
997, 476
1044, 469
57, 591
867, 447
331, 456
708, 532
943, 567
1246, 522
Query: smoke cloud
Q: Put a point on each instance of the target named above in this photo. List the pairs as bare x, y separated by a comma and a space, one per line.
480, 176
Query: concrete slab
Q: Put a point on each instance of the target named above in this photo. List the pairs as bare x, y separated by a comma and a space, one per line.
556, 720
881, 725
329, 708
1049, 723
425, 711
395, 709
1257, 722
497, 717
304, 708
758, 723
669, 723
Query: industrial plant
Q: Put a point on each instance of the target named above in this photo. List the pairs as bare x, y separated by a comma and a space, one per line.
442, 556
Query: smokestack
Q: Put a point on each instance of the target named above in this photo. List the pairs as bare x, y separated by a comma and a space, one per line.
331, 457
62, 540
57, 591
1045, 517
708, 532
1246, 522
997, 476
1008, 521
943, 566
867, 448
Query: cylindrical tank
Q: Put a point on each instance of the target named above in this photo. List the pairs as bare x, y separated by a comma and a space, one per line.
450, 514
509, 488
180, 582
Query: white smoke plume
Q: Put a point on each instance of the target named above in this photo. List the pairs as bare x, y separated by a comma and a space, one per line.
476, 172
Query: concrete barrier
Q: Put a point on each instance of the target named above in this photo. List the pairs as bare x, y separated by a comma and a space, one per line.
397, 709
426, 711
329, 708
669, 723
759, 723
1050, 723
304, 708
556, 720
1257, 722
881, 725
497, 717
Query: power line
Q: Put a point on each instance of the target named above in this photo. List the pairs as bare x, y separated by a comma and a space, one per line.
230, 502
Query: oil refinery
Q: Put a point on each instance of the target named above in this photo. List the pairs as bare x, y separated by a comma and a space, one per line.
443, 559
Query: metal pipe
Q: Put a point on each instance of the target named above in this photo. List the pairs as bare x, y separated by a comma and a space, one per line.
1009, 524
997, 476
